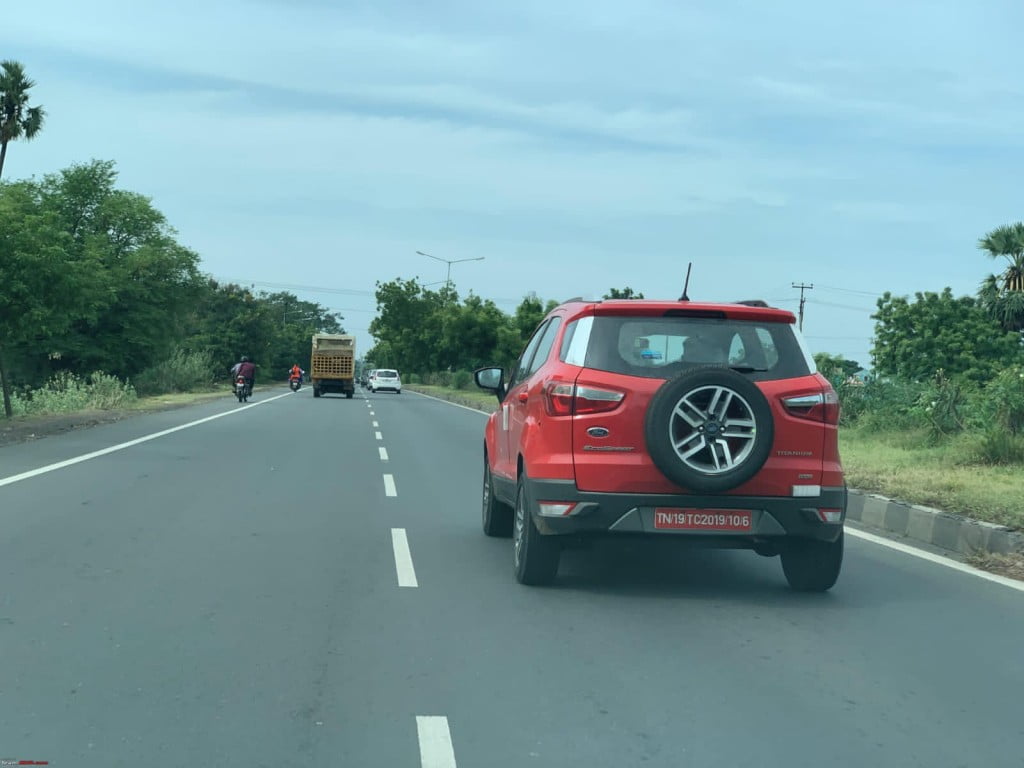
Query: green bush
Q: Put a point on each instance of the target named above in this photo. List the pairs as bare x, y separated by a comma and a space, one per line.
439, 379
462, 379
181, 371
882, 405
942, 406
1003, 401
997, 446
65, 392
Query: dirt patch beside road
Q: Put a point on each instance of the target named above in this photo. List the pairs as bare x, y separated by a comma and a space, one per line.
22, 429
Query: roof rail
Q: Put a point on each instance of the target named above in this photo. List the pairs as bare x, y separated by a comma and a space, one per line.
753, 303
574, 298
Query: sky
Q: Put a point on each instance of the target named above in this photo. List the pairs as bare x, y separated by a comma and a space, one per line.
575, 146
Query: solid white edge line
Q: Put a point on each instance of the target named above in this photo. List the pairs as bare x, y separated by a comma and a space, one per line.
131, 443
435, 738
449, 402
379, 435
389, 486
383, 453
403, 558
922, 554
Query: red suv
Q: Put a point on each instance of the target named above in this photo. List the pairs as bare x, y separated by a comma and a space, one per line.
705, 422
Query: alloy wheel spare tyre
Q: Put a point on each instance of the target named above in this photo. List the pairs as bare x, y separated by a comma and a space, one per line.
709, 429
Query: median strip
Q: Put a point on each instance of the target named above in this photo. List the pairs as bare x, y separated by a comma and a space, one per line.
403, 558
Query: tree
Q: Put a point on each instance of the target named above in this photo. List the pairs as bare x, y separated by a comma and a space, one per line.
937, 331
1003, 295
42, 290
150, 280
17, 119
622, 293
834, 367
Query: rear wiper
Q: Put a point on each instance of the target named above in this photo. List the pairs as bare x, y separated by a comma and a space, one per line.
748, 369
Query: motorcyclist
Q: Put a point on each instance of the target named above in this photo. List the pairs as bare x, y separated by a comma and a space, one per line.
296, 373
246, 370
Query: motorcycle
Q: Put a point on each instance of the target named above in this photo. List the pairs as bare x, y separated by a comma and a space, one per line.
295, 382
241, 389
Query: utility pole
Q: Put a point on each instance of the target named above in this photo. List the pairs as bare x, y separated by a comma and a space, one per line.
803, 287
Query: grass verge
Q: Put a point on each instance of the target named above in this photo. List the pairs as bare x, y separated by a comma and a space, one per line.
472, 398
33, 427
906, 467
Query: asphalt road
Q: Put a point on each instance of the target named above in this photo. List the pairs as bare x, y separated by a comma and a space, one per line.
265, 588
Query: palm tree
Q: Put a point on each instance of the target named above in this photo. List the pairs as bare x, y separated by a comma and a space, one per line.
1003, 294
17, 119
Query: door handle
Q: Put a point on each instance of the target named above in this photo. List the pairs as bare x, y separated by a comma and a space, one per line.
522, 397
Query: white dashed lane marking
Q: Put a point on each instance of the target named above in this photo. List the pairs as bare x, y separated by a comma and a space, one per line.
379, 435
403, 558
389, 486
436, 749
383, 453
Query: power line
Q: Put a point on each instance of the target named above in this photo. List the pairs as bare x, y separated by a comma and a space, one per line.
873, 294
840, 306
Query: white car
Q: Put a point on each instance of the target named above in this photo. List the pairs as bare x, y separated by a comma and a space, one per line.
385, 378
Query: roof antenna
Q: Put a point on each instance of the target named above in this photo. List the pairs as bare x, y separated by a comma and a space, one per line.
686, 287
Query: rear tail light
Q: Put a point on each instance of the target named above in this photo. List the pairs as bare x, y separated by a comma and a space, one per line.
830, 515
556, 508
564, 399
558, 397
818, 406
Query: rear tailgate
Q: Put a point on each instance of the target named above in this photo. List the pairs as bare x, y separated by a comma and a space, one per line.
610, 452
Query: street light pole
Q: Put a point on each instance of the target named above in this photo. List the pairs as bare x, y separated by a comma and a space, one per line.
449, 262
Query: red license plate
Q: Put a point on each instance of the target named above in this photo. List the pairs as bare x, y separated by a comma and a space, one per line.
703, 519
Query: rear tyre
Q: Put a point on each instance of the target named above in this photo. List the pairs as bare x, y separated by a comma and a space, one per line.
349, 395
497, 517
398, 392
535, 557
316, 391
812, 566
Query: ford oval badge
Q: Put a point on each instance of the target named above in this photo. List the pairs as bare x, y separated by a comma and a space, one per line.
597, 432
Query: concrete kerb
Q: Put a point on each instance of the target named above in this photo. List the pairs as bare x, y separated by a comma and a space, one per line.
932, 526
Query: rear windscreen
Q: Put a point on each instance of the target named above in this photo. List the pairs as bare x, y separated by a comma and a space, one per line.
387, 374
663, 347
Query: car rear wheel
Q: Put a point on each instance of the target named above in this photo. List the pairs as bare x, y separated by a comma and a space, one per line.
709, 429
812, 566
497, 517
535, 556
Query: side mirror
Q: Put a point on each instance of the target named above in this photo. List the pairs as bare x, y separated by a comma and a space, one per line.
491, 379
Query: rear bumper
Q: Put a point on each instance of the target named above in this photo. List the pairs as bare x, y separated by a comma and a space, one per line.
773, 517
334, 385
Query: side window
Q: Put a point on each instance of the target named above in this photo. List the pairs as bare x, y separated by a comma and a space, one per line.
522, 367
770, 351
575, 341
737, 352
546, 342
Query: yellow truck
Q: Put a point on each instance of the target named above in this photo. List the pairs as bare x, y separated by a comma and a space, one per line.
333, 364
